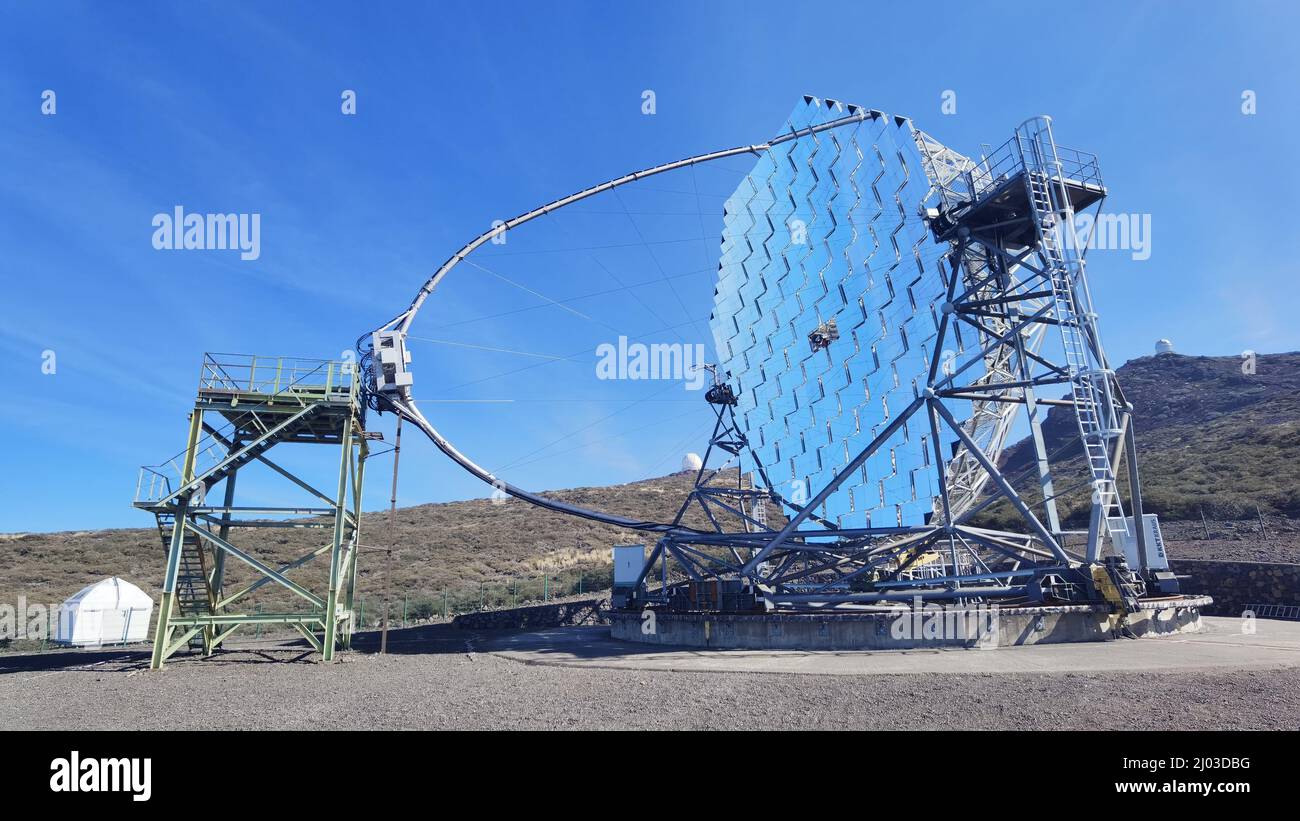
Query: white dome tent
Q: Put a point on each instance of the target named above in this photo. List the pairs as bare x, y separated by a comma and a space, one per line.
112, 611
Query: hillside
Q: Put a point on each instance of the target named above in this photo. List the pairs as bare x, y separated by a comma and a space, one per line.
1210, 439
454, 547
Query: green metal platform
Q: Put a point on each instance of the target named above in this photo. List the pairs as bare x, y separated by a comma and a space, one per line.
245, 406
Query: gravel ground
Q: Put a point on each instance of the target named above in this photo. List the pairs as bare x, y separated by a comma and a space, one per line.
439, 682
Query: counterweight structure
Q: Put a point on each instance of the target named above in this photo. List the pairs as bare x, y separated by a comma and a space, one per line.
245, 407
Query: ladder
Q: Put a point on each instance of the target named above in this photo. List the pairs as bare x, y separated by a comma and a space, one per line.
193, 595
1090, 392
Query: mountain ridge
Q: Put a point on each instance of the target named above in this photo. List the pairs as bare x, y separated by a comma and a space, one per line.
1211, 439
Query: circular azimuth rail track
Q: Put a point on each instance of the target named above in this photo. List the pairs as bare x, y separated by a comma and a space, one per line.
400, 401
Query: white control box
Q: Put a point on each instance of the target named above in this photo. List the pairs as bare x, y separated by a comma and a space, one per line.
628, 561
391, 359
1157, 559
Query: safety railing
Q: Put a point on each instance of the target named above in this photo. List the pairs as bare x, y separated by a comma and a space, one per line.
1005, 162
272, 378
157, 482
152, 484
1285, 612
275, 375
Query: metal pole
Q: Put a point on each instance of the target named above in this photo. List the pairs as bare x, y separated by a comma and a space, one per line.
328, 643
392, 538
358, 483
1135, 493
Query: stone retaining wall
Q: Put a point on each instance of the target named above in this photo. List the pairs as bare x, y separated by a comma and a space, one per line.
556, 614
1234, 585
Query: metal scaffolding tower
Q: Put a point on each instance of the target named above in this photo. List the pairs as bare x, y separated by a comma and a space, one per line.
245, 406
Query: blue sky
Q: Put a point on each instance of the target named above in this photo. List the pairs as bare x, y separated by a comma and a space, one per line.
468, 113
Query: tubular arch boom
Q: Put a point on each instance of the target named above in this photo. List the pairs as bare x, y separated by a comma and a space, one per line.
404, 404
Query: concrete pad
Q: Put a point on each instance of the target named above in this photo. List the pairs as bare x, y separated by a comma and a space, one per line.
907, 628
1222, 646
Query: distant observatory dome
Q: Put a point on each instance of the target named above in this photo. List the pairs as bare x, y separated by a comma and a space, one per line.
692, 461
1164, 346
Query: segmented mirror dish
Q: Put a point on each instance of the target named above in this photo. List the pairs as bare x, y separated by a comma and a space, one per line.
826, 310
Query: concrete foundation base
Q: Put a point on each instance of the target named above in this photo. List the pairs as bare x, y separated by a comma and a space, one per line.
905, 628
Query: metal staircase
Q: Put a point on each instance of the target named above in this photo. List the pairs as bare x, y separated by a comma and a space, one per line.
1090, 381
235, 460
193, 585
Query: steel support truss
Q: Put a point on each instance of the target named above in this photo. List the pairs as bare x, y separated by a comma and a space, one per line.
1019, 316
263, 402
